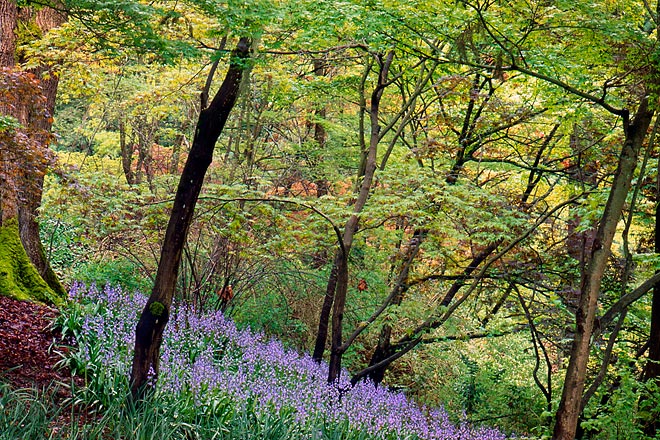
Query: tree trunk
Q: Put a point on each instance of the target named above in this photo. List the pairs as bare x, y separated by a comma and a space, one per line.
126, 154
384, 348
569, 406
652, 368
46, 19
338, 280
320, 135
326, 309
336, 349
460, 160
29, 233
8, 199
212, 119
334, 368
8, 23
329, 298
30, 188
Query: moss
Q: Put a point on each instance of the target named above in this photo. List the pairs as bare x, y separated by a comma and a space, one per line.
18, 277
156, 308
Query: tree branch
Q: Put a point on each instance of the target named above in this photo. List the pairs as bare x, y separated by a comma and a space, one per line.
623, 303
399, 288
335, 228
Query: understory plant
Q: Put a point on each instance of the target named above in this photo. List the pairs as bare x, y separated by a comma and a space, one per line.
230, 381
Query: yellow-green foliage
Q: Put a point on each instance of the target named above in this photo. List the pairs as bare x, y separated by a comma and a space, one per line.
18, 277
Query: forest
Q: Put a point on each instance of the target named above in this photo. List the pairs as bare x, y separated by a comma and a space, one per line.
321, 219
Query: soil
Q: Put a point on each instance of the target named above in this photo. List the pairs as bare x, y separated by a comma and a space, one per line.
27, 359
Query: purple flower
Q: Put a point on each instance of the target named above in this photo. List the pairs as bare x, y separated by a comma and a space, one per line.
210, 357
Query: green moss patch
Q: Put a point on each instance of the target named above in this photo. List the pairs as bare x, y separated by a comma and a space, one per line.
18, 277
156, 308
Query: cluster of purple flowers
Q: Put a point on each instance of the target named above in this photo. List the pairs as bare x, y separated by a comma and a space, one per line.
210, 357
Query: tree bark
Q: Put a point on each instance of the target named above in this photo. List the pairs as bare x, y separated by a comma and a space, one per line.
461, 159
569, 409
652, 367
8, 23
326, 311
322, 188
320, 134
126, 154
336, 349
46, 19
338, 280
212, 119
30, 187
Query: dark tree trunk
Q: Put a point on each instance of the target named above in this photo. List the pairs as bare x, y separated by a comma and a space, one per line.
384, 348
212, 119
652, 367
145, 131
471, 115
320, 134
569, 408
336, 352
336, 297
326, 310
336, 348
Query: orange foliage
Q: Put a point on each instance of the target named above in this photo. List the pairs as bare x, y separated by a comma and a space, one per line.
226, 294
24, 138
297, 188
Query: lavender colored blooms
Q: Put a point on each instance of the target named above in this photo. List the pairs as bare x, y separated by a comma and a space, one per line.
210, 357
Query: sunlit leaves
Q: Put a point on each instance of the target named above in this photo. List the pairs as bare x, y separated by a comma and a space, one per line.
8, 123
113, 26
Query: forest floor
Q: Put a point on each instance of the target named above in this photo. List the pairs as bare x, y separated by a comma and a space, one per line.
27, 358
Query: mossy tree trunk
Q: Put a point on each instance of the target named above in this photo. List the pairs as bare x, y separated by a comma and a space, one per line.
22, 185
